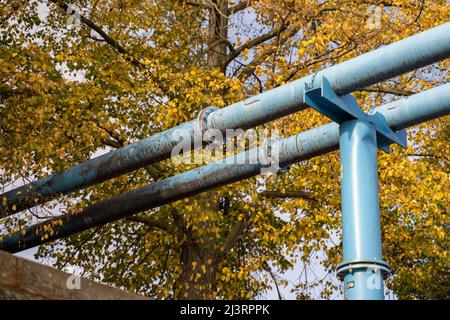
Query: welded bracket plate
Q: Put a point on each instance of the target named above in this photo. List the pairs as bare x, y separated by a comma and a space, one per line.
322, 98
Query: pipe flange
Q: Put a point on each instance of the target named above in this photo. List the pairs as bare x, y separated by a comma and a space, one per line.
202, 121
265, 152
270, 163
345, 268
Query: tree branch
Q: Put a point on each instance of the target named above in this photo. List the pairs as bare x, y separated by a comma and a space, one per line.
248, 70
394, 91
266, 267
6, 92
218, 42
321, 58
236, 52
239, 7
153, 223
112, 143
421, 155
200, 3
287, 194
153, 170
116, 45
80, 244
233, 236
112, 42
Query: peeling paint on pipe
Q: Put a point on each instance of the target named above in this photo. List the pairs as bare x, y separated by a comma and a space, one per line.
384, 63
400, 114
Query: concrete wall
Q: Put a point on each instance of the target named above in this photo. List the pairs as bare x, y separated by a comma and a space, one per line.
24, 279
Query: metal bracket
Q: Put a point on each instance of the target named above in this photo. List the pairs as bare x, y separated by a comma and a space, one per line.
202, 121
343, 108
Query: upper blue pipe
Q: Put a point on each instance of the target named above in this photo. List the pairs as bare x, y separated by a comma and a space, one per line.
381, 64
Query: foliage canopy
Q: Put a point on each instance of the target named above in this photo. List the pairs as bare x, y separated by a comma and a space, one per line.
134, 68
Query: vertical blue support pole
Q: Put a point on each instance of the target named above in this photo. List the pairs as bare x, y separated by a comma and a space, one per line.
362, 269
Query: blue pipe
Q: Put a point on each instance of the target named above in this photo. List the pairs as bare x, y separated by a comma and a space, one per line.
362, 268
370, 68
418, 108
386, 62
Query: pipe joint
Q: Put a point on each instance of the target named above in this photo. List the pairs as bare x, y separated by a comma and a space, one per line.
269, 156
321, 96
369, 266
202, 123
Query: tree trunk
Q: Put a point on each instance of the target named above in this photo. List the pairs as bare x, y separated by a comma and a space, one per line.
198, 279
199, 266
218, 33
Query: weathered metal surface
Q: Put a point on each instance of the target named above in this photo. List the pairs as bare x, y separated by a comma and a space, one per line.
344, 108
399, 115
107, 166
386, 62
361, 233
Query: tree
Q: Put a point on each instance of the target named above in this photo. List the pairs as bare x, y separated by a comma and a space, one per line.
134, 68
